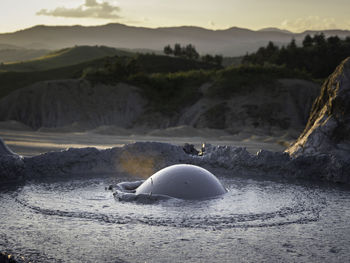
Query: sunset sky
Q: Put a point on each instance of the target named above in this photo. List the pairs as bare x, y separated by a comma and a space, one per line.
296, 15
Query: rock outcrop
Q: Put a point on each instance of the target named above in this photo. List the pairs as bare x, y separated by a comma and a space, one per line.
11, 164
328, 127
4, 149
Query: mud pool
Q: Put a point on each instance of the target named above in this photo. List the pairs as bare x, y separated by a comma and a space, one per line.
78, 220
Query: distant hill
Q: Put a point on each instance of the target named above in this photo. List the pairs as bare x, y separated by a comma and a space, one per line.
106, 69
12, 53
7, 46
64, 57
20, 54
274, 29
10, 81
229, 42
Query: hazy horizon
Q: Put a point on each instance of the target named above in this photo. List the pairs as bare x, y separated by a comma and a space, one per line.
296, 16
156, 27
175, 26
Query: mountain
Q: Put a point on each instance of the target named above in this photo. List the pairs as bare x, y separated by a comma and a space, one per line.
275, 29
229, 42
64, 57
20, 54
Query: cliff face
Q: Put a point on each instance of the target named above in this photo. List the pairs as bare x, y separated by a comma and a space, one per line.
83, 105
65, 102
284, 105
328, 127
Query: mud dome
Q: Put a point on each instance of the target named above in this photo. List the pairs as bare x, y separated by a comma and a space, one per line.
183, 181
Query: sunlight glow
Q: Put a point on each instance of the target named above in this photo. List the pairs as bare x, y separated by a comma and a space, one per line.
138, 165
253, 14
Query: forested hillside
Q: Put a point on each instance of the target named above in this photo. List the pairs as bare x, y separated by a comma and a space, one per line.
318, 55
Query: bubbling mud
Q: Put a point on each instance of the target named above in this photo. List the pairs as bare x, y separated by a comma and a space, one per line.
182, 181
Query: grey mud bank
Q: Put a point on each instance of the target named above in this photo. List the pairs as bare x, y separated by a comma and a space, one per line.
142, 159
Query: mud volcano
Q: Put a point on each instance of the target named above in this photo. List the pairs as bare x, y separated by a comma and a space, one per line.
182, 181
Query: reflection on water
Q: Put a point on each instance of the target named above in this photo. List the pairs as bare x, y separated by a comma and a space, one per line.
78, 220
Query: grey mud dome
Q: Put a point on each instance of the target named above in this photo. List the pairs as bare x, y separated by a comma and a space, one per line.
181, 181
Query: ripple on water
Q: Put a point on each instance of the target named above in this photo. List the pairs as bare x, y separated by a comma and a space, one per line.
247, 204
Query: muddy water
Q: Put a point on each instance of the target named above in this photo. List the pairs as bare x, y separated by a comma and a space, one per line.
256, 221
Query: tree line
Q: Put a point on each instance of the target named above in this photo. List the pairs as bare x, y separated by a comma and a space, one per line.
189, 51
317, 55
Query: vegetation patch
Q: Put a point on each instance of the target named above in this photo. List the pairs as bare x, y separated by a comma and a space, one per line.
169, 93
122, 68
246, 78
318, 55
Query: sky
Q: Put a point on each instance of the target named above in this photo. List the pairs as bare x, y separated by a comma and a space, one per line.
296, 15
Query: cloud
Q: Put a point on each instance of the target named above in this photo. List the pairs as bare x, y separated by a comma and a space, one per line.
90, 9
211, 23
311, 23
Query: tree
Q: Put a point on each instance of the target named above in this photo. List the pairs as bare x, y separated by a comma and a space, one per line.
191, 52
188, 51
333, 41
271, 48
208, 58
133, 66
317, 56
177, 50
319, 39
308, 41
168, 50
218, 60
292, 44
